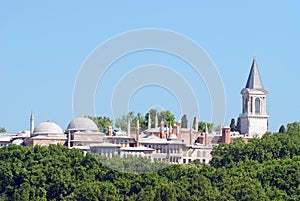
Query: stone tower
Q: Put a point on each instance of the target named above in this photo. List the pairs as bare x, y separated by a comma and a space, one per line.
254, 118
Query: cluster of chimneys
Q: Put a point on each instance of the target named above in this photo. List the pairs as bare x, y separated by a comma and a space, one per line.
176, 130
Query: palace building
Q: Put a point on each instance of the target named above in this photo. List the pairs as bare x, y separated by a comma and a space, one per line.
173, 144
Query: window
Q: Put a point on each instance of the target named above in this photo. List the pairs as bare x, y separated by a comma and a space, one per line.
251, 105
246, 105
257, 106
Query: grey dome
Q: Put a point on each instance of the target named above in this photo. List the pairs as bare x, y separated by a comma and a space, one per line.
47, 127
82, 124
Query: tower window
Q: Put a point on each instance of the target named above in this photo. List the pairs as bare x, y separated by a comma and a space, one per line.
257, 106
246, 105
251, 105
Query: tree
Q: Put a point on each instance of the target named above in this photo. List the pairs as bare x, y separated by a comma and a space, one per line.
238, 125
2, 130
293, 127
167, 117
152, 114
282, 129
123, 121
232, 125
102, 123
202, 126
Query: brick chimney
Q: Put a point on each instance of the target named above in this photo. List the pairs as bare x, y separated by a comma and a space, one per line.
110, 131
179, 130
191, 135
226, 135
206, 135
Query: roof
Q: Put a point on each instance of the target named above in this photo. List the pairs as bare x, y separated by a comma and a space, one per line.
47, 127
153, 130
104, 144
173, 137
43, 137
82, 124
140, 148
5, 138
153, 140
254, 79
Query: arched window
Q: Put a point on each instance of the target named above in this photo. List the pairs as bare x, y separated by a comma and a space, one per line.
257, 106
246, 105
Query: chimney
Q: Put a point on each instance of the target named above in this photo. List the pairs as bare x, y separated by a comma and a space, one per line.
170, 131
128, 125
226, 135
149, 120
174, 130
162, 129
191, 135
206, 135
110, 131
137, 135
69, 138
179, 130
196, 124
156, 121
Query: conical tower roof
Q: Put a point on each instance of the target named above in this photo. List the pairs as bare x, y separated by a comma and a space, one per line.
254, 80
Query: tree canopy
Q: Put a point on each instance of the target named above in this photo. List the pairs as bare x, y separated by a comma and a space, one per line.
262, 169
2, 130
102, 123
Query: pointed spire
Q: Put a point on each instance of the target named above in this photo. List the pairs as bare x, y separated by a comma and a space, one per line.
254, 80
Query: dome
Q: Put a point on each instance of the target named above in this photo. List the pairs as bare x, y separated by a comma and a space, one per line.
47, 127
82, 124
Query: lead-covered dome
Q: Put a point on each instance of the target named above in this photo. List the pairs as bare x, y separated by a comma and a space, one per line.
47, 127
82, 124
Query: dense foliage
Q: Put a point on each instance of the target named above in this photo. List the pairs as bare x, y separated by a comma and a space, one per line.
166, 116
2, 130
102, 123
266, 169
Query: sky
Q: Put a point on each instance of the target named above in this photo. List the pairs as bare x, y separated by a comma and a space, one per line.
43, 46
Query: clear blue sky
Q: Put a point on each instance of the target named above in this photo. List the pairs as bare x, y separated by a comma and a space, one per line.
43, 44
